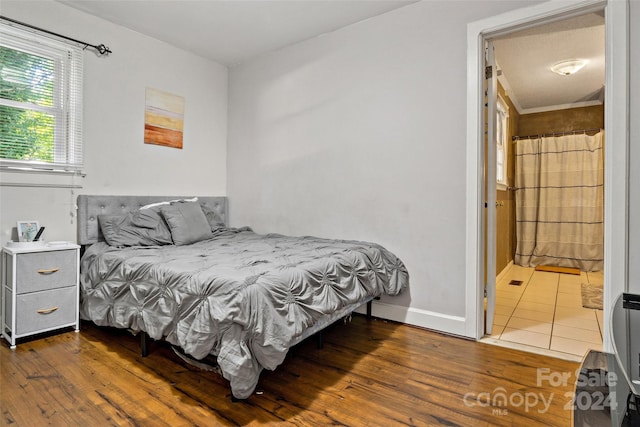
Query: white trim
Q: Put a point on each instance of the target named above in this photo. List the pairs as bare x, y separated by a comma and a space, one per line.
489, 194
616, 154
445, 323
501, 105
616, 149
474, 286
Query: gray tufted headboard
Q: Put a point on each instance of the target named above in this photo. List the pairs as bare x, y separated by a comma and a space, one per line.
89, 207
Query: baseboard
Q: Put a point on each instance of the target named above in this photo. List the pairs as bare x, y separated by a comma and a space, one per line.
454, 325
504, 272
445, 323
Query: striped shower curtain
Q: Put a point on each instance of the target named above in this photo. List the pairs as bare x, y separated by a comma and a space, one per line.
560, 201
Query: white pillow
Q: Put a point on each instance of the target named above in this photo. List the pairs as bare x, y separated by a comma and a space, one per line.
153, 205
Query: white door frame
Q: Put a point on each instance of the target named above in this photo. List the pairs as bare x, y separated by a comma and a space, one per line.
489, 186
616, 146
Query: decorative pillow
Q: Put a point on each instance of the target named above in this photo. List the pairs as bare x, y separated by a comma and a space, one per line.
187, 222
213, 218
140, 228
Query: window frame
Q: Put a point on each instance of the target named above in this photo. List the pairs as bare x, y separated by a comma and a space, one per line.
67, 99
502, 150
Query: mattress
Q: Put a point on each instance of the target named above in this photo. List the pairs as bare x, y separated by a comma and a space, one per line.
242, 296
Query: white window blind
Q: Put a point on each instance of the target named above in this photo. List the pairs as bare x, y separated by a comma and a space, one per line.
40, 102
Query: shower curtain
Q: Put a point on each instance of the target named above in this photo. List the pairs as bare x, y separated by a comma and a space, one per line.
560, 201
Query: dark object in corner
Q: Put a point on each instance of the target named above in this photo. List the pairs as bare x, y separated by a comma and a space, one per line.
631, 301
38, 234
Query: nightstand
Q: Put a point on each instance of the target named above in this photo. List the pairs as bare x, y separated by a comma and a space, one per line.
39, 288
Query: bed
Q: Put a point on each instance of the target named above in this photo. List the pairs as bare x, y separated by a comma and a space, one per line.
169, 267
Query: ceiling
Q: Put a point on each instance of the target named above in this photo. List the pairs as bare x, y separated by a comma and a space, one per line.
233, 31
525, 58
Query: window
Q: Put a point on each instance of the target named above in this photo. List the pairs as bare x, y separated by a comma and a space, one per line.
502, 139
40, 102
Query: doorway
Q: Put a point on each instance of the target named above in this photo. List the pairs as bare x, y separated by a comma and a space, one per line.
547, 155
616, 150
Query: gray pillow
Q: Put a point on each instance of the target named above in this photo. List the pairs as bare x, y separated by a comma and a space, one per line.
140, 228
213, 218
187, 222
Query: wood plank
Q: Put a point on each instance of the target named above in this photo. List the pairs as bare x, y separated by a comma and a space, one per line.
554, 269
374, 372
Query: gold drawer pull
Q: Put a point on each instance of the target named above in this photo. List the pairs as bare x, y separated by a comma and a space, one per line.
49, 271
47, 310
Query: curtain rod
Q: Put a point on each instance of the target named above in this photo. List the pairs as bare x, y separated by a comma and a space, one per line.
36, 185
571, 132
101, 49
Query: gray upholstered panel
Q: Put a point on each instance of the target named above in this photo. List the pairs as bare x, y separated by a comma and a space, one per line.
90, 206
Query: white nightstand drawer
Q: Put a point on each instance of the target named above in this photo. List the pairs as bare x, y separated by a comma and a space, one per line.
45, 310
39, 289
39, 271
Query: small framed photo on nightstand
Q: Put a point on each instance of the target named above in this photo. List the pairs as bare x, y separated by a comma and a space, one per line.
27, 230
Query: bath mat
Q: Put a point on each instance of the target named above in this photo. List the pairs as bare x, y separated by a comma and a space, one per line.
591, 296
554, 269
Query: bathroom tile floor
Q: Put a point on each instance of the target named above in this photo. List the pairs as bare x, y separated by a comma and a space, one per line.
545, 314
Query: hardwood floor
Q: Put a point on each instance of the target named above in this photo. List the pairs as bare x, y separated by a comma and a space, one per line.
374, 373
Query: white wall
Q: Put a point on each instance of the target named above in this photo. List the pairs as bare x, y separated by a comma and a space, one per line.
356, 134
116, 159
360, 134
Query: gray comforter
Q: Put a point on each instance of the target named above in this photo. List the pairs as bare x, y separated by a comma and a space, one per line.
241, 296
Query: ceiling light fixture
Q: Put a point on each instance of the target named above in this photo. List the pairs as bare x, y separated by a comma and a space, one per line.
568, 67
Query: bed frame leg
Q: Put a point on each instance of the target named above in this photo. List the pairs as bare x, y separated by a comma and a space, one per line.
369, 306
319, 341
144, 344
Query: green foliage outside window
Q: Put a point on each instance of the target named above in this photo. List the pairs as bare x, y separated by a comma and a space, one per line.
27, 106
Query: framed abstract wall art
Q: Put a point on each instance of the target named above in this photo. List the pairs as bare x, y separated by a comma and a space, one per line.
163, 118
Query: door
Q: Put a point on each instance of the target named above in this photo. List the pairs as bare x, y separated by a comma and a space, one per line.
491, 83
